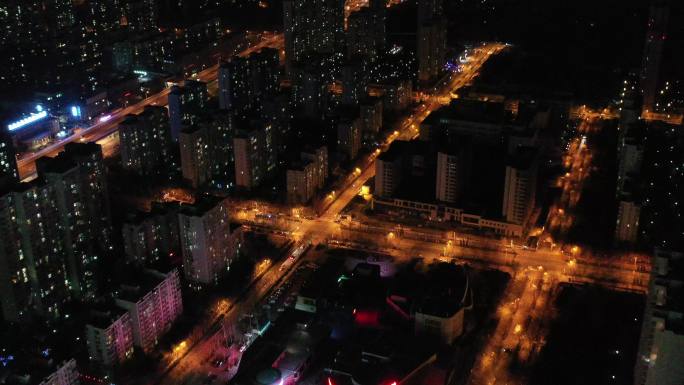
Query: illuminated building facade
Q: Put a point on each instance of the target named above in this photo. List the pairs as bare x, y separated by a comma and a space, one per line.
55, 229
349, 135
520, 186
109, 337
153, 301
312, 27
146, 141
656, 36
195, 155
247, 82
152, 237
254, 155
208, 240
184, 105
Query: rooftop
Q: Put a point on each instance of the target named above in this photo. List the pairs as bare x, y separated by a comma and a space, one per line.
140, 282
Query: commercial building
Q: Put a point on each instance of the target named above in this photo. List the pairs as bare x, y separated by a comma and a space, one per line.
440, 313
430, 182
153, 301
209, 242
185, 104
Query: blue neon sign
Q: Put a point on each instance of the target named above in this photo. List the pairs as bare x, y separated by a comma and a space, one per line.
27, 120
76, 111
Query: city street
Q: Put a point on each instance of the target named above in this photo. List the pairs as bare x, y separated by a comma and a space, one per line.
108, 124
189, 371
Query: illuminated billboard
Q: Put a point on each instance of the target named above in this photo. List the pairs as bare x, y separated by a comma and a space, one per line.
27, 120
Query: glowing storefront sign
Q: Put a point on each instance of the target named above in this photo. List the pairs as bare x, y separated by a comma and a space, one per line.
27, 120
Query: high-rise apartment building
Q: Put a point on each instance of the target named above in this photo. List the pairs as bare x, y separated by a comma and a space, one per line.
520, 186
185, 104
312, 27
366, 33
140, 15
153, 236
309, 88
33, 255
656, 36
254, 155
146, 142
319, 157
431, 49
353, 83
80, 187
109, 336
195, 155
388, 172
429, 9
9, 175
349, 136
209, 242
661, 345
54, 230
306, 176
449, 178
627, 226
220, 133
66, 374
300, 187
247, 82
153, 301
370, 110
